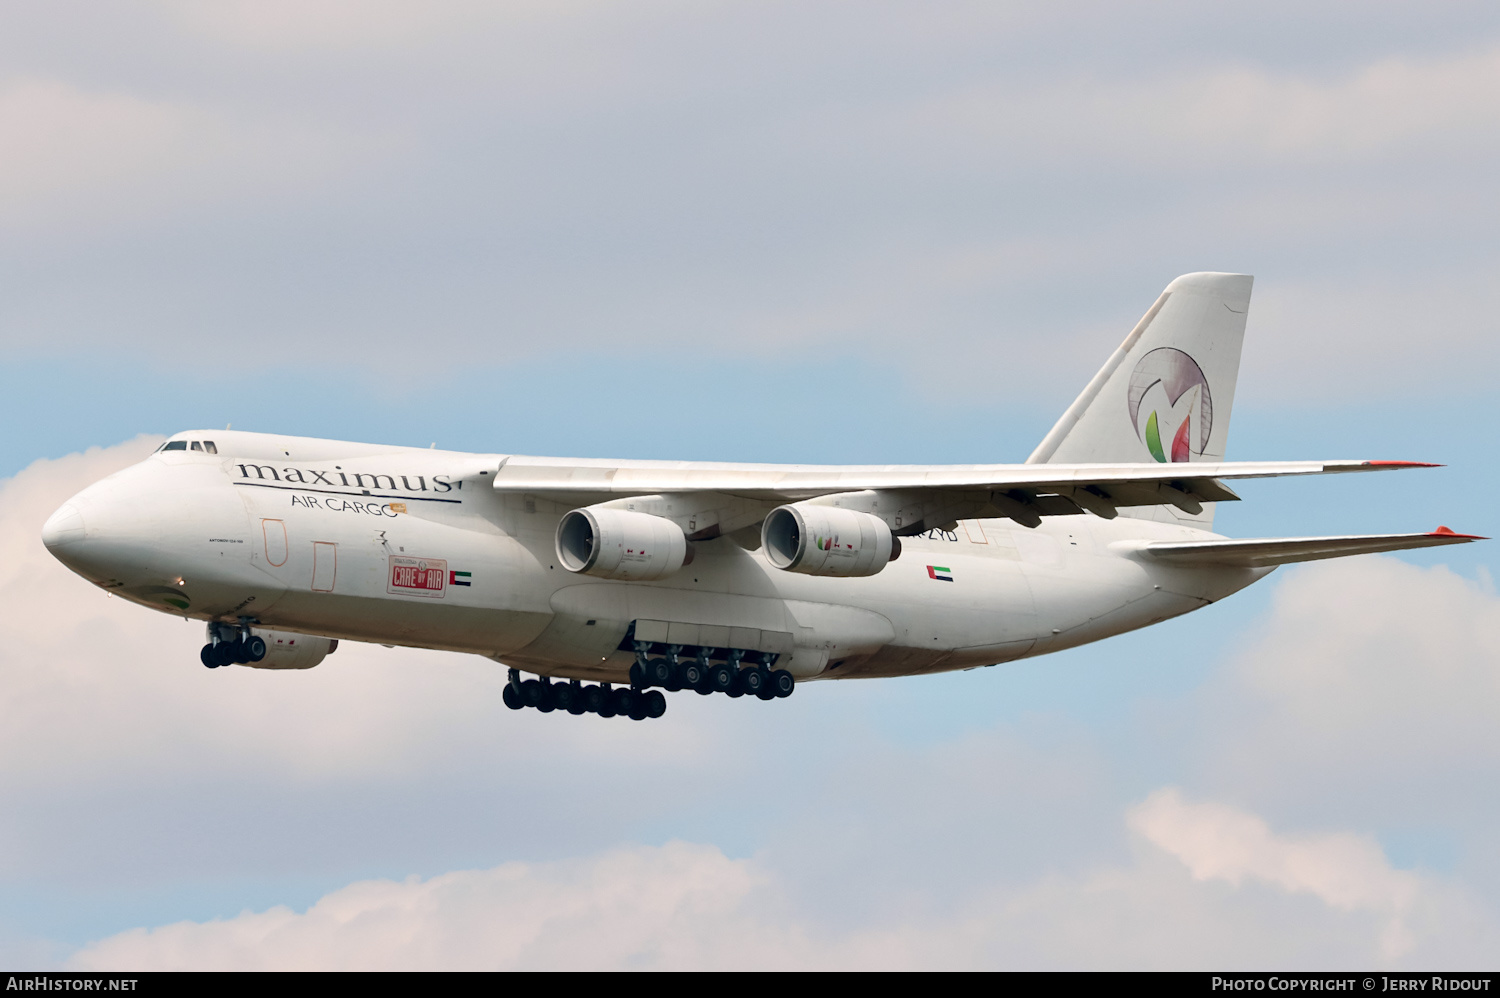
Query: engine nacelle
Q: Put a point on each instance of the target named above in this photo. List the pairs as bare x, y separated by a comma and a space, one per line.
621, 544
285, 650
826, 540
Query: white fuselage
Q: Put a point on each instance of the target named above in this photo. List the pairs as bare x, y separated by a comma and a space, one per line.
414, 547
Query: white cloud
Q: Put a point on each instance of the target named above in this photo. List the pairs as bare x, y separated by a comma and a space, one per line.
1372, 674
677, 907
74, 156
1220, 842
686, 907
1193, 115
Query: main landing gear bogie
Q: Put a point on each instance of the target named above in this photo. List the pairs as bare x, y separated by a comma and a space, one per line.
734, 676
576, 698
706, 671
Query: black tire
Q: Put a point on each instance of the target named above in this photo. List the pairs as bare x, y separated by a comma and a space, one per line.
547, 704
655, 703
766, 691
240, 651
721, 678
674, 677
753, 680
255, 648
564, 696
606, 702
638, 675
623, 701
224, 654
593, 698
782, 683
659, 672
206, 656
511, 697
578, 706
692, 675
532, 693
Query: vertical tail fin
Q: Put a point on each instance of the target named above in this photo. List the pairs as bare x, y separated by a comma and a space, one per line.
1167, 392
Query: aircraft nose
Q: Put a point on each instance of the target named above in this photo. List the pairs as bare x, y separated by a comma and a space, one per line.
63, 527
101, 534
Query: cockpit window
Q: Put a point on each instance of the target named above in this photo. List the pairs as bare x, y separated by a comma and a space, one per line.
196, 446
208, 445
174, 445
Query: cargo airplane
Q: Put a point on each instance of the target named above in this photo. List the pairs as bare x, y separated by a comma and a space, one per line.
613, 581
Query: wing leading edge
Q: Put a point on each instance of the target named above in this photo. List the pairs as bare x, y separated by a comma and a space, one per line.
916, 496
792, 482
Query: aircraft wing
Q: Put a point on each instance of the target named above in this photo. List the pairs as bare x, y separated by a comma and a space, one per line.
1044, 489
1265, 552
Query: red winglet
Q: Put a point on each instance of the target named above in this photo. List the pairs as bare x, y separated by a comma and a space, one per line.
1401, 464
1446, 532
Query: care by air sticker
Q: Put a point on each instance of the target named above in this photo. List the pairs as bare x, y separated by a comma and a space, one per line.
418, 576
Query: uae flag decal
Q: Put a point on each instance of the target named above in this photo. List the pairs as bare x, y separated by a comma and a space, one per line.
939, 572
460, 578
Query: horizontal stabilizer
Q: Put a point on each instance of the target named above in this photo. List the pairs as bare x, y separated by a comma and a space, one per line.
1268, 551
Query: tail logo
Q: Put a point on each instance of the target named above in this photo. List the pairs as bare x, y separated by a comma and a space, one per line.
1168, 387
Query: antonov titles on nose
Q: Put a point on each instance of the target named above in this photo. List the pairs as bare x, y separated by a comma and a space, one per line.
617, 581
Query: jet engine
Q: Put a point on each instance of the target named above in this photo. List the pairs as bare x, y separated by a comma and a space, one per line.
285, 650
621, 544
826, 540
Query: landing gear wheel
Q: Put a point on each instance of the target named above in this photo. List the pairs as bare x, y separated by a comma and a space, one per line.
511, 697
721, 678
255, 648
753, 680
658, 672
593, 698
692, 675
674, 677
782, 683
223, 654
532, 693
606, 702
206, 656
564, 696
655, 703
623, 701
767, 691
547, 704
638, 675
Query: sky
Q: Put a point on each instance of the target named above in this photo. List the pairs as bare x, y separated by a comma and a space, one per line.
812, 232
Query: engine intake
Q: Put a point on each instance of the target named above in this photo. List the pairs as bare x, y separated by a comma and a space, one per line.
826, 540
621, 544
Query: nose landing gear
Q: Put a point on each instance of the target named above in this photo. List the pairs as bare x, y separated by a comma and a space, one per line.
231, 645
